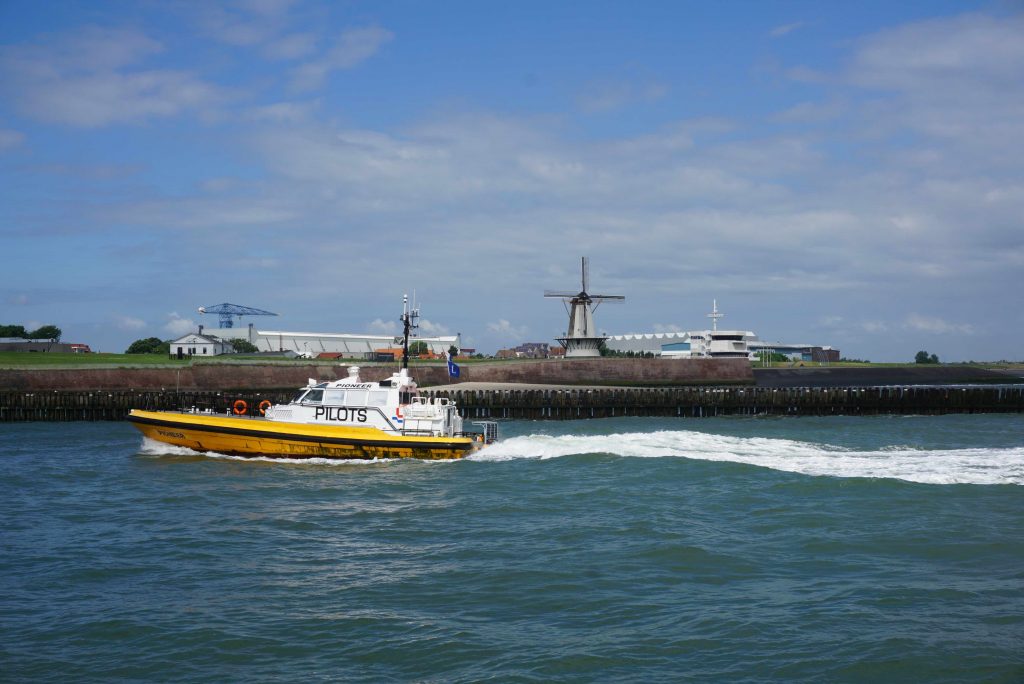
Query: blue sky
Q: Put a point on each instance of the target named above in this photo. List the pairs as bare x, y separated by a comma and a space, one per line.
833, 173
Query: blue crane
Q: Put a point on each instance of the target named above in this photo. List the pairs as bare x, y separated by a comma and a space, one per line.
226, 311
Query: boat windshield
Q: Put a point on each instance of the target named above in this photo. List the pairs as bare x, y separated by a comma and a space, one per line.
314, 396
298, 396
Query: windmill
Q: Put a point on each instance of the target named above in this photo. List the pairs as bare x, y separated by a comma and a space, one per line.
582, 339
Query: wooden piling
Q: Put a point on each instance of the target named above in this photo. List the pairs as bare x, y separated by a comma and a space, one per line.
553, 404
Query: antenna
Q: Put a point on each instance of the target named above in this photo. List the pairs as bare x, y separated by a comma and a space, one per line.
409, 318
714, 315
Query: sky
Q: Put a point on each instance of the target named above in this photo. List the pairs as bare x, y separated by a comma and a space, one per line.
844, 174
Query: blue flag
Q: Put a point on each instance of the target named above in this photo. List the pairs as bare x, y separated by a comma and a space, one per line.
453, 370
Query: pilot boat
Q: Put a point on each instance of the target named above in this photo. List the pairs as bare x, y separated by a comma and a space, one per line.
342, 419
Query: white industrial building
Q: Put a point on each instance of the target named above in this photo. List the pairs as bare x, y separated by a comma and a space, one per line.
312, 344
695, 343
714, 343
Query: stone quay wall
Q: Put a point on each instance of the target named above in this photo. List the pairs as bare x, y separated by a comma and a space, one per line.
224, 377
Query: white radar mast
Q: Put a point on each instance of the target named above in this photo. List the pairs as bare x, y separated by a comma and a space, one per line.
714, 315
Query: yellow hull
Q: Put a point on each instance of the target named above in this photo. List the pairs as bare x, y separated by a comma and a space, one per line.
242, 436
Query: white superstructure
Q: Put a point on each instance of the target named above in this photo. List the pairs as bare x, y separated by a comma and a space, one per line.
392, 406
714, 343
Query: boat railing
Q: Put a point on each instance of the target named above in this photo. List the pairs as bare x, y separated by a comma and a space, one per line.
490, 430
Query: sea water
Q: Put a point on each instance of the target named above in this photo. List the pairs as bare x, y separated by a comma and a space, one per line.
619, 550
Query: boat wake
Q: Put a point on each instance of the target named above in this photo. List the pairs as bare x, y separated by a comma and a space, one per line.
954, 466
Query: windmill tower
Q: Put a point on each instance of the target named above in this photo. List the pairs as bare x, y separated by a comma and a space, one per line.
582, 339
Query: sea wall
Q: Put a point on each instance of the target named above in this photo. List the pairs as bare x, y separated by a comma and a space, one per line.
554, 404
226, 377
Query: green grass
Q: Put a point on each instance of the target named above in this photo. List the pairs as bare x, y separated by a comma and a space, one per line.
54, 360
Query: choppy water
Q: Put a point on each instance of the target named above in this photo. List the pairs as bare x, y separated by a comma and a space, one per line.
833, 549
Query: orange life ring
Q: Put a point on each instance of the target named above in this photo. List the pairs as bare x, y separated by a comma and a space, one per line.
240, 407
264, 405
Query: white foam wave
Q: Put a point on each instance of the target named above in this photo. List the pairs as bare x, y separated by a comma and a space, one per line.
151, 447
954, 466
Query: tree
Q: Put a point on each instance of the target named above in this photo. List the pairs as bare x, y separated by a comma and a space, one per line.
453, 351
418, 347
12, 331
47, 332
149, 345
243, 346
923, 357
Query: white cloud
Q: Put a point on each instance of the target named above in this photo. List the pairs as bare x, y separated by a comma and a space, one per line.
291, 46
785, 29
955, 79
429, 329
352, 47
667, 328
936, 325
811, 112
179, 326
619, 92
129, 323
86, 78
382, 327
966, 50
507, 330
266, 7
284, 112
242, 27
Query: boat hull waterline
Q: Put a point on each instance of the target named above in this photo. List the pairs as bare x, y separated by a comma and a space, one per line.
242, 436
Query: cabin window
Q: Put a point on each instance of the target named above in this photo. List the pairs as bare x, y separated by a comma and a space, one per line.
315, 396
355, 398
298, 396
334, 397
405, 397
377, 399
